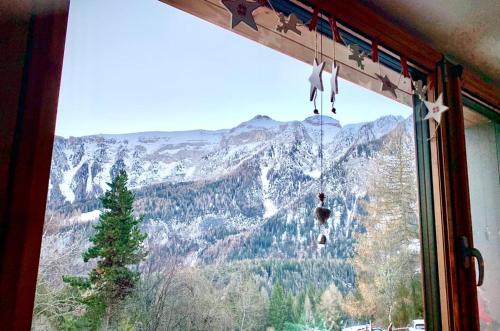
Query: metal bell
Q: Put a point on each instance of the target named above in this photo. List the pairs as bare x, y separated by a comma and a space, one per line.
322, 239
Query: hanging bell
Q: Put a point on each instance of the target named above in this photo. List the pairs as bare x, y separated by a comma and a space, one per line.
316, 112
334, 110
322, 213
321, 239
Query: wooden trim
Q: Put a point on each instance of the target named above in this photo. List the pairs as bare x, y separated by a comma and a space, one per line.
12, 43
299, 47
461, 302
486, 92
25, 166
429, 234
362, 19
432, 94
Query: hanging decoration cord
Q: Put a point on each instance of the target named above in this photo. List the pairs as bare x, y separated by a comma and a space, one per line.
434, 133
315, 56
272, 7
321, 126
335, 33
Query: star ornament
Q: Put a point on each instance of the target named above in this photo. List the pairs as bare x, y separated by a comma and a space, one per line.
289, 24
316, 79
387, 85
436, 109
358, 55
334, 83
242, 11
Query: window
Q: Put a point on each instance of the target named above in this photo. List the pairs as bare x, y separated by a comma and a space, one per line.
482, 142
221, 148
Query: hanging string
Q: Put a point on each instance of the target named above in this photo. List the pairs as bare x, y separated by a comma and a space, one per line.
336, 37
434, 133
335, 31
316, 43
316, 58
321, 129
263, 2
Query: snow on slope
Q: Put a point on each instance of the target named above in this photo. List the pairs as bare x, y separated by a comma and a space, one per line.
83, 165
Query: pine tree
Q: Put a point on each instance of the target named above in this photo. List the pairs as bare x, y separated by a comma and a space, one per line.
277, 308
116, 245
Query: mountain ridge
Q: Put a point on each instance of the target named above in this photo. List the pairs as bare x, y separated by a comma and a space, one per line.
248, 195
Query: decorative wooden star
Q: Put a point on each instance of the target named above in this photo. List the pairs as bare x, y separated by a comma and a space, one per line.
316, 79
289, 24
242, 11
334, 83
387, 85
358, 55
419, 90
436, 109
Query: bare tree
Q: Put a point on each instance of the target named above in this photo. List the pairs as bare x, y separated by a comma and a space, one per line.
58, 254
331, 307
247, 303
386, 254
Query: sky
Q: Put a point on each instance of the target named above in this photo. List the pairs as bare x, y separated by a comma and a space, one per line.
134, 66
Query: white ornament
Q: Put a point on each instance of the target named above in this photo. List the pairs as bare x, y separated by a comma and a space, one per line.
316, 79
419, 89
334, 83
436, 109
242, 11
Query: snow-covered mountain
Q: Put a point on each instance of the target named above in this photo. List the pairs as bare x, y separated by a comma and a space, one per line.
245, 192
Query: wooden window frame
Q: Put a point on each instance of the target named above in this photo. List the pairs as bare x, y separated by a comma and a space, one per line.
30, 72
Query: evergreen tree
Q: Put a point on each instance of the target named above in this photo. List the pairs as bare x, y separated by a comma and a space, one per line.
116, 245
277, 308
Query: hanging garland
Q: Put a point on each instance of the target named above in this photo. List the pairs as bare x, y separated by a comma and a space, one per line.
242, 11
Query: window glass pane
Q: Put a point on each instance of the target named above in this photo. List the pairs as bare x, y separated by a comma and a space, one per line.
483, 152
222, 151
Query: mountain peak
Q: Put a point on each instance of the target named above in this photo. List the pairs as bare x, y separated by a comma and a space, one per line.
261, 117
259, 121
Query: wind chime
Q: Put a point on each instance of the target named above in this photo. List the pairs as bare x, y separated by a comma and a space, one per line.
322, 213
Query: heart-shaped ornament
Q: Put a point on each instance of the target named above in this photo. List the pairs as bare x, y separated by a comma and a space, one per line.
322, 214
